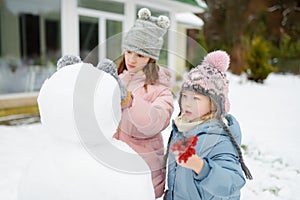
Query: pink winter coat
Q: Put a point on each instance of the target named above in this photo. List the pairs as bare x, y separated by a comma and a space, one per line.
141, 124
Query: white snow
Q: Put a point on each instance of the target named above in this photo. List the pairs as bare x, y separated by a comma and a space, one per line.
80, 110
269, 117
190, 19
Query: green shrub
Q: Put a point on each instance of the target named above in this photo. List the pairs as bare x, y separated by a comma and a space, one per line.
289, 48
257, 57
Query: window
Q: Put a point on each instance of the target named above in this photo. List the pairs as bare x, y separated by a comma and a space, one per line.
88, 39
30, 38
113, 39
29, 43
100, 35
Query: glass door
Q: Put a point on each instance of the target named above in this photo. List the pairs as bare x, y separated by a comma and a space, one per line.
100, 35
89, 39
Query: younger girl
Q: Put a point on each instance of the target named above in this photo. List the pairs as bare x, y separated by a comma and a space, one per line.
206, 161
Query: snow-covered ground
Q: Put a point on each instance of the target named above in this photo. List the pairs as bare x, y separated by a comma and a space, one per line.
269, 117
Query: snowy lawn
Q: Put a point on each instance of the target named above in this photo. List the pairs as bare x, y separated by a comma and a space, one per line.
269, 118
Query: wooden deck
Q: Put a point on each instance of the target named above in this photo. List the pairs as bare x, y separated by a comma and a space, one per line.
18, 107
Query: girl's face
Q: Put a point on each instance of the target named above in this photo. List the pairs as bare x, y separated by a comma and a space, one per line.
135, 62
194, 105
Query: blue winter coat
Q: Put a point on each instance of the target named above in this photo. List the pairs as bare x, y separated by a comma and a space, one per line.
221, 177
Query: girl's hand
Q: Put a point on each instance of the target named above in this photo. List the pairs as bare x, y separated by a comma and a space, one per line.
110, 67
185, 148
194, 162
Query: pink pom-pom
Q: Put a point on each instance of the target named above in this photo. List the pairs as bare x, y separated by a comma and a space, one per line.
218, 59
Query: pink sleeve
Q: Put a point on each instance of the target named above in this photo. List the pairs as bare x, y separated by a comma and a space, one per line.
150, 118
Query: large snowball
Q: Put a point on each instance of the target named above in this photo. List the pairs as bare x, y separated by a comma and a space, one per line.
80, 110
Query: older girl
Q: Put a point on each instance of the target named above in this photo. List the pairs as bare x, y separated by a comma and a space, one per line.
147, 100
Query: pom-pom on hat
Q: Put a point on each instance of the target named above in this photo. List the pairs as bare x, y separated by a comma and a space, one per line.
209, 79
67, 60
146, 35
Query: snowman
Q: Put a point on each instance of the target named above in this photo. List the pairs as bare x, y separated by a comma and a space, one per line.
80, 110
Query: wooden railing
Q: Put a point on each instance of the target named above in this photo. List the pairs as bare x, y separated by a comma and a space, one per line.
18, 106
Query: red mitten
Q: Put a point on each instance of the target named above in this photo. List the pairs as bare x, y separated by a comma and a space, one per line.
185, 148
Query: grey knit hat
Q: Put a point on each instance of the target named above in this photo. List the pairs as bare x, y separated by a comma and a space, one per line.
146, 35
209, 79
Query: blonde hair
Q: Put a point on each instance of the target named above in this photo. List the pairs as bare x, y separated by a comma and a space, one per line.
150, 70
212, 114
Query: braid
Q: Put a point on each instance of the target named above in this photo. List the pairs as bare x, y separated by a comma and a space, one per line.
244, 167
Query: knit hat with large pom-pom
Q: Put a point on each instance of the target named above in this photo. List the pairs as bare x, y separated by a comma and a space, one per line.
209, 78
146, 35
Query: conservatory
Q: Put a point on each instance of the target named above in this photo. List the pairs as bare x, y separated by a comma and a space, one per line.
36, 33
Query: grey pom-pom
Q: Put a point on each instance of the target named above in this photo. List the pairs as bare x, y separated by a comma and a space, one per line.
108, 66
163, 21
67, 60
144, 13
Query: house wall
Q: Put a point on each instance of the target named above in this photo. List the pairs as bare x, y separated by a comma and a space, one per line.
10, 42
21, 76
181, 58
